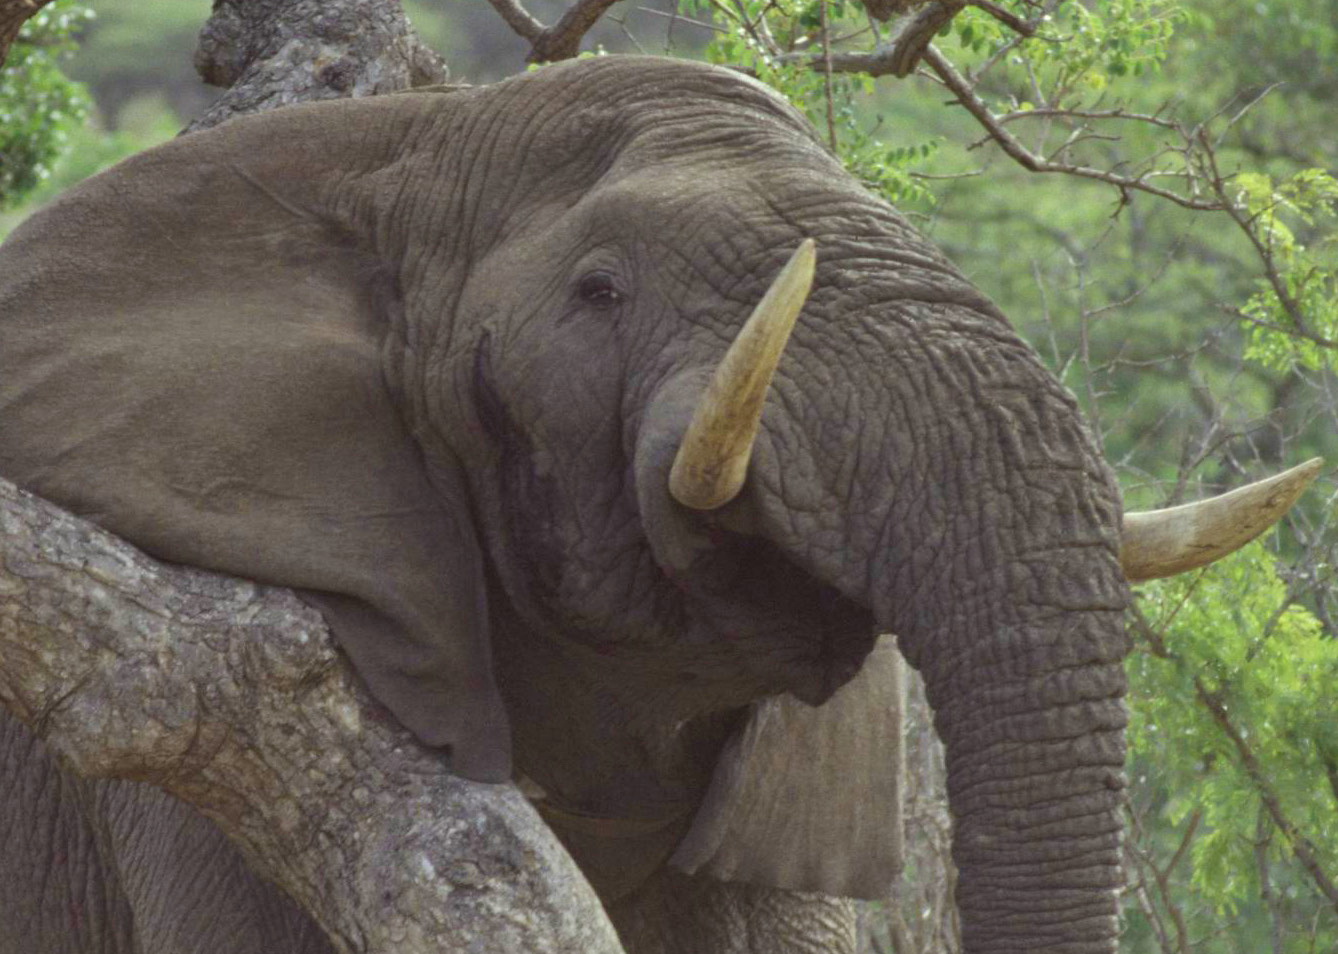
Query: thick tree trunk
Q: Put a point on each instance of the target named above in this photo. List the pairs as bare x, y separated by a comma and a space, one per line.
232, 697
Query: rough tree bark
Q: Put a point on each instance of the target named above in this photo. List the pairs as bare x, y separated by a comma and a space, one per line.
270, 53
232, 697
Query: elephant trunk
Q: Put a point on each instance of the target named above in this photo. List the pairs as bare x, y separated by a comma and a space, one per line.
1032, 720
986, 538
1019, 634
926, 466
1026, 681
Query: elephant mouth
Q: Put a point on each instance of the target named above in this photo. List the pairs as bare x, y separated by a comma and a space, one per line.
816, 638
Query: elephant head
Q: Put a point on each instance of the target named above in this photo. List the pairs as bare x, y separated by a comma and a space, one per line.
466, 368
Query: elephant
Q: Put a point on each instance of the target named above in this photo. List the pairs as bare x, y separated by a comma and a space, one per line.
608, 421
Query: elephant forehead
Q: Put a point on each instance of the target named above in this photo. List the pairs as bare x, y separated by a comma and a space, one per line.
613, 105
625, 81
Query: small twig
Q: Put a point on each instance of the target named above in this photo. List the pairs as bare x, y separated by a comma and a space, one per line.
1290, 332
1026, 158
1138, 292
1240, 114
1162, 878
677, 17
1016, 40
1301, 846
1246, 224
827, 75
1047, 112
946, 176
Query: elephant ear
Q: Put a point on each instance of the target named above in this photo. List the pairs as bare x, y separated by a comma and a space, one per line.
809, 799
197, 360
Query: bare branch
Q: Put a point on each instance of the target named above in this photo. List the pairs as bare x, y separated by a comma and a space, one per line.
518, 19
1027, 159
903, 53
1162, 878
232, 697
562, 40
1097, 114
898, 57
1007, 18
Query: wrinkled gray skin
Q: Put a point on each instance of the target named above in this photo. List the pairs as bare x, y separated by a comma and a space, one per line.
428, 357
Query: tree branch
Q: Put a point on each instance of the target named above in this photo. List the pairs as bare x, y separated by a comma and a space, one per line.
1303, 847
518, 19
902, 54
918, 32
562, 40
232, 697
1011, 20
13, 14
1026, 158
899, 57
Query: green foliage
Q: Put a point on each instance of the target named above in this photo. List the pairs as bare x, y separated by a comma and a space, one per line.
1235, 666
146, 122
836, 104
1080, 49
88, 150
1295, 314
39, 105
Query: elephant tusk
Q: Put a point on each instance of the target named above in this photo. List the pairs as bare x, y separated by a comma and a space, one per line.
712, 462
1159, 543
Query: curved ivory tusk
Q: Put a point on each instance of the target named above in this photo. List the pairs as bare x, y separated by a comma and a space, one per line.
712, 461
1161, 543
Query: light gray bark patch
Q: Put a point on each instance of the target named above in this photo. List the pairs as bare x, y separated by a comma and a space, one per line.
272, 53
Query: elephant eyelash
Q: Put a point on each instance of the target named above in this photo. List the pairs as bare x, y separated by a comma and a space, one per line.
600, 290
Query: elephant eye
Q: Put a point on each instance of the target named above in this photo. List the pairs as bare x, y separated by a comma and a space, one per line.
600, 290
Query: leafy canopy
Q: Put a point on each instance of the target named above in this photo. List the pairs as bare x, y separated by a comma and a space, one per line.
39, 105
